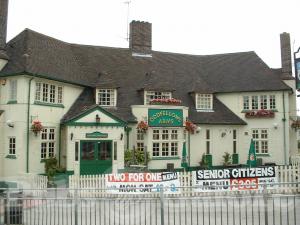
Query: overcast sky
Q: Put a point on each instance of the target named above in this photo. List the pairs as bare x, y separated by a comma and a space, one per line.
187, 26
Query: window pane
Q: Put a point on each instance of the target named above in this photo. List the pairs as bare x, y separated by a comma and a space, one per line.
104, 150
155, 134
263, 102
155, 149
246, 102
254, 102
52, 93
207, 147
76, 151
165, 149
272, 102
12, 146
165, 134
106, 97
43, 150
207, 134
13, 90
174, 149
45, 92
88, 151
150, 95
115, 150
44, 134
51, 149
38, 91
59, 95
174, 135
203, 101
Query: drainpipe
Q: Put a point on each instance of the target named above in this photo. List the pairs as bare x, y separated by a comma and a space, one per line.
27, 130
189, 148
284, 130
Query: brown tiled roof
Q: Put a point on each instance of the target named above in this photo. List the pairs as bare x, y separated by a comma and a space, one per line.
43, 56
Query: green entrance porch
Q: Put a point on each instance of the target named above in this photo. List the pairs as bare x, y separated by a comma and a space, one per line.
95, 157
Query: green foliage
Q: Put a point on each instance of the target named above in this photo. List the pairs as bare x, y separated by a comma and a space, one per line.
204, 162
50, 167
227, 159
136, 157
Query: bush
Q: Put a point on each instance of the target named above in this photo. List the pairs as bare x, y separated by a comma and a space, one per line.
227, 159
204, 162
136, 157
50, 167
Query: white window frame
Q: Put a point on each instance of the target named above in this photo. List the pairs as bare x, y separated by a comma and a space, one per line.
166, 142
48, 93
140, 137
204, 102
13, 90
260, 137
112, 98
263, 102
150, 95
12, 146
48, 137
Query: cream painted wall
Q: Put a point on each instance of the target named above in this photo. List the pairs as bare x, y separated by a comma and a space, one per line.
79, 132
49, 116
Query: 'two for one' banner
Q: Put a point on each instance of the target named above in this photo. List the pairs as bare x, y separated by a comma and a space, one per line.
141, 183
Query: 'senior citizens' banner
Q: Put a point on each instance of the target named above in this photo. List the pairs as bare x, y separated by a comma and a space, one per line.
234, 179
141, 183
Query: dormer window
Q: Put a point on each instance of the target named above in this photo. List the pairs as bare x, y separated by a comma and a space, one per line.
150, 95
107, 97
204, 102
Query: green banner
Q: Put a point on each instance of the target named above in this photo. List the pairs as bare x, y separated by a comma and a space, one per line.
165, 117
96, 134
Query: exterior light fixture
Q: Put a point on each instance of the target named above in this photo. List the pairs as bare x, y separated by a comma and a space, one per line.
97, 119
71, 136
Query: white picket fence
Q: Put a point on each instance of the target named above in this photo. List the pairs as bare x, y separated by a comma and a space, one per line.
295, 160
95, 185
37, 184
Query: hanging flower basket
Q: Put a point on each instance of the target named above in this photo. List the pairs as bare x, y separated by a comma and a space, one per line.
36, 127
142, 126
296, 124
260, 114
165, 101
190, 127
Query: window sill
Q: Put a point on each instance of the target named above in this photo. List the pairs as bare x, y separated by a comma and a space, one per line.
263, 155
11, 157
49, 104
166, 158
205, 110
254, 110
12, 102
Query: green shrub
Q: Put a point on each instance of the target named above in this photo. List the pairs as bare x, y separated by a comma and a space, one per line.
135, 157
227, 159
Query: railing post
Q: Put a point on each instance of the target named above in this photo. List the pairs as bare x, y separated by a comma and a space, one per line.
265, 196
162, 207
76, 206
7, 207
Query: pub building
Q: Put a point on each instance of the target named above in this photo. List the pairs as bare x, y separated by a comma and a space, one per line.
86, 105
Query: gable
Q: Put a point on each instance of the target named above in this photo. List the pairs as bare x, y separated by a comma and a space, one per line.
89, 118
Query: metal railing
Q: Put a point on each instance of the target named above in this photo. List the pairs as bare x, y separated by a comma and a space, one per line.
58, 206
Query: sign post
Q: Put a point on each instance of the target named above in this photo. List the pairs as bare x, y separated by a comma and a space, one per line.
297, 69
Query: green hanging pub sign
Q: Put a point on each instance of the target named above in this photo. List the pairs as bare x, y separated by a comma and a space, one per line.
165, 117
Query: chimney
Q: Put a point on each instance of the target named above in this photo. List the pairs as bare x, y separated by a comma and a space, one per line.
3, 28
140, 40
286, 58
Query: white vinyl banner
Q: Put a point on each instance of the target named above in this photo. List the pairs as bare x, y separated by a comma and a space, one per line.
142, 183
234, 179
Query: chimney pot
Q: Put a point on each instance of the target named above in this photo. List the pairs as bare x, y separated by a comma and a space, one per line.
3, 28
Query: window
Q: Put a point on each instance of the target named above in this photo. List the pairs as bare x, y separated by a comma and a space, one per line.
115, 150
254, 102
48, 143
48, 93
272, 102
13, 90
150, 95
12, 146
260, 138
234, 141
246, 102
107, 97
140, 140
207, 141
165, 143
204, 102
259, 102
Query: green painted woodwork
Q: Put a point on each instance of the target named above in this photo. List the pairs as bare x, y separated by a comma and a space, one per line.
263, 155
119, 122
165, 158
12, 102
208, 158
11, 157
49, 104
95, 157
235, 158
96, 134
165, 117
